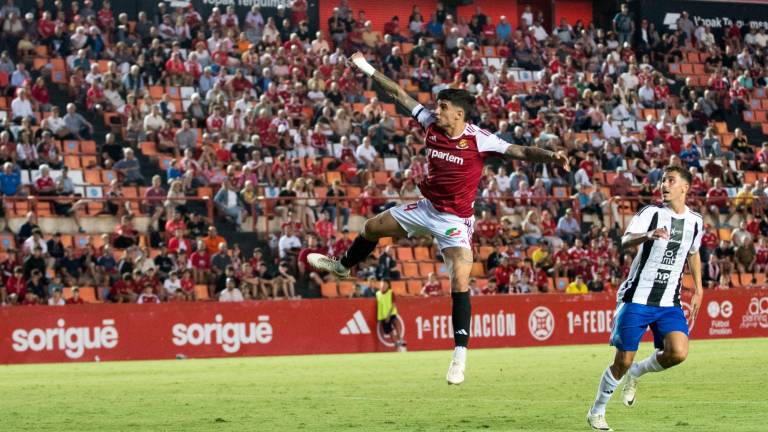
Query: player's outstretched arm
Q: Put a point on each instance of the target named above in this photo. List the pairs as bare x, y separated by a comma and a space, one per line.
395, 91
537, 155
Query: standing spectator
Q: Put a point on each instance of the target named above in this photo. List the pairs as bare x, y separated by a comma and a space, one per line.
624, 24
386, 313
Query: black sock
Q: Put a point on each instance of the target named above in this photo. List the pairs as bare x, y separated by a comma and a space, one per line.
461, 315
359, 251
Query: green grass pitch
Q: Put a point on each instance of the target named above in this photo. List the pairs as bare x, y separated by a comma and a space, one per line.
722, 387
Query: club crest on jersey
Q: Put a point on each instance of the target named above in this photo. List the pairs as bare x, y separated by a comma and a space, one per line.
462, 144
452, 232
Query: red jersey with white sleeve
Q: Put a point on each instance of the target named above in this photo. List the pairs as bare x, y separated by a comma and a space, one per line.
455, 164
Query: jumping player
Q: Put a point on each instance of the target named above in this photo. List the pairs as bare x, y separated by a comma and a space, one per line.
455, 150
668, 235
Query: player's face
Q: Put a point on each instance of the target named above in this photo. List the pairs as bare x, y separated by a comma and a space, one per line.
447, 114
673, 187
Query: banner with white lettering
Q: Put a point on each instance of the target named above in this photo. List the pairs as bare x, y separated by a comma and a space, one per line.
35, 334
718, 15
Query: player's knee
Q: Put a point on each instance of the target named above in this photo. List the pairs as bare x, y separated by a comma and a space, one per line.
459, 284
677, 356
369, 230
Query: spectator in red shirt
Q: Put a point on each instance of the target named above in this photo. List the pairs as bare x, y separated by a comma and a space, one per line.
15, 289
432, 287
178, 243
324, 227
122, 291
200, 260
717, 201
75, 299
487, 229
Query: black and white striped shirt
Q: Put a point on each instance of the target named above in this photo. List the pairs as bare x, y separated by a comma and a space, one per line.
656, 274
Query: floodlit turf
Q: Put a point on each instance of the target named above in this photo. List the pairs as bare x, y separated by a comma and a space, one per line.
722, 387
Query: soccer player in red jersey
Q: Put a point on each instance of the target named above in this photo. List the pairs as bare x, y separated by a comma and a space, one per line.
455, 152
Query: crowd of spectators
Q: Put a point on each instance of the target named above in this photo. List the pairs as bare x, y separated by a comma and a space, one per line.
268, 108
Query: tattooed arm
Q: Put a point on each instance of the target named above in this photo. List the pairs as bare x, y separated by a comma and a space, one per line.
389, 86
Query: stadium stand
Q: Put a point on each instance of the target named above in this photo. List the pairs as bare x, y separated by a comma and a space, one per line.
180, 151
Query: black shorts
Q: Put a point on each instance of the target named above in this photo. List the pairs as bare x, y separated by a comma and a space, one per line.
62, 209
389, 324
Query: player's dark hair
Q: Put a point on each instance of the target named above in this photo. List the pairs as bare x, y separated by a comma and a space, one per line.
460, 98
682, 172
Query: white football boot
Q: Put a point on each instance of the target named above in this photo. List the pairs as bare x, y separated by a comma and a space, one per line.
455, 373
597, 422
322, 262
629, 390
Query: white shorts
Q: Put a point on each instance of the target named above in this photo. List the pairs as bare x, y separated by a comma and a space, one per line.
421, 218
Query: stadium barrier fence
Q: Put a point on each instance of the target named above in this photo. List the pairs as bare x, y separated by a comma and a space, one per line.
94, 332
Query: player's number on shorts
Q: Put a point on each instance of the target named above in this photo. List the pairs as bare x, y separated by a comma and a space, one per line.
410, 207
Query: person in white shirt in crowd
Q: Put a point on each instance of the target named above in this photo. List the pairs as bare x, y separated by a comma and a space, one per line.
36, 240
172, 284
154, 121
647, 95
231, 293
79, 39
22, 107
57, 299
94, 74
366, 154
610, 130
288, 241
629, 80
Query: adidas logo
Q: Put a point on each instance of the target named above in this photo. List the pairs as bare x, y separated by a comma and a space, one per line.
356, 325
462, 332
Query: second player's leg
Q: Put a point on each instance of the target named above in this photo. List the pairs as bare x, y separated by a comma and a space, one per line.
675, 350
622, 361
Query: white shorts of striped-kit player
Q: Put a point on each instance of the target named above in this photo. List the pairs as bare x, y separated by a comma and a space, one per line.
421, 218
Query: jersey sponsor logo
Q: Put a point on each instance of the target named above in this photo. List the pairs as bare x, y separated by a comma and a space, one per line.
356, 325
541, 323
452, 232
463, 144
437, 154
663, 275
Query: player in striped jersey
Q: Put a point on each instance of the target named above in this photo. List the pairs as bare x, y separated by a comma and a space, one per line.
667, 236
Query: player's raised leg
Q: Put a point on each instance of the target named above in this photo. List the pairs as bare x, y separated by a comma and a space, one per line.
381, 225
459, 263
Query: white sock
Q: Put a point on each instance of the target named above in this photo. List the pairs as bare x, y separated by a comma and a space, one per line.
460, 354
607, 386
651, 364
